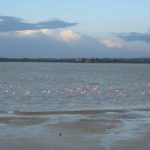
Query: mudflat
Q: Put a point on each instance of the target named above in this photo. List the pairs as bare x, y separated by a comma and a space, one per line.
76, 130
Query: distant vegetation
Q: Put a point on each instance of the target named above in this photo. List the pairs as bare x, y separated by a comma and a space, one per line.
79, 60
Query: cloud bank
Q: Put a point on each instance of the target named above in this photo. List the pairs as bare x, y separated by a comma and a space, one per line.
46, 43
19, 38
9, 24
134, 36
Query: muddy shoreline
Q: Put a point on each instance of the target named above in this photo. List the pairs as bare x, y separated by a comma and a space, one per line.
117, 129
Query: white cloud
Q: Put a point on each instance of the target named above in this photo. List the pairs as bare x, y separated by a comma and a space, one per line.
69, 35
48, 32
111, 43
27, 32
62, 35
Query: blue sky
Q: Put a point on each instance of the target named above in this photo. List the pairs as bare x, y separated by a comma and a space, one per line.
85, 28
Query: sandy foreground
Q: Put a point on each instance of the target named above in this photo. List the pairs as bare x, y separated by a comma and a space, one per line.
76, 130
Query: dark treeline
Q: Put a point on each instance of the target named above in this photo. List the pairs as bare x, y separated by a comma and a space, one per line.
79, 60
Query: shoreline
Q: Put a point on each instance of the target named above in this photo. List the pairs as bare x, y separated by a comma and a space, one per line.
80, 60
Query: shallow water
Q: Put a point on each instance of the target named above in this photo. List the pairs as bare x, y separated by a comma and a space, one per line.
88, 104
67, 86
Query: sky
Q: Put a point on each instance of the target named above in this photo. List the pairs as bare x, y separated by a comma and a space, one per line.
74, 28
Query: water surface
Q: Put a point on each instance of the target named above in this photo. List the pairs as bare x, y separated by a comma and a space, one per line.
67, 86
92, 106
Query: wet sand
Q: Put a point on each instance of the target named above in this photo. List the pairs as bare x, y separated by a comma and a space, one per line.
142, 142
76, 130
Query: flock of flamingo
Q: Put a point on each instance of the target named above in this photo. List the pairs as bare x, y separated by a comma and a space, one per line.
94, 89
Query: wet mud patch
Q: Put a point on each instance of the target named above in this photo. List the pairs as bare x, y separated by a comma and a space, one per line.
91, 126
21, 121
74, 112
